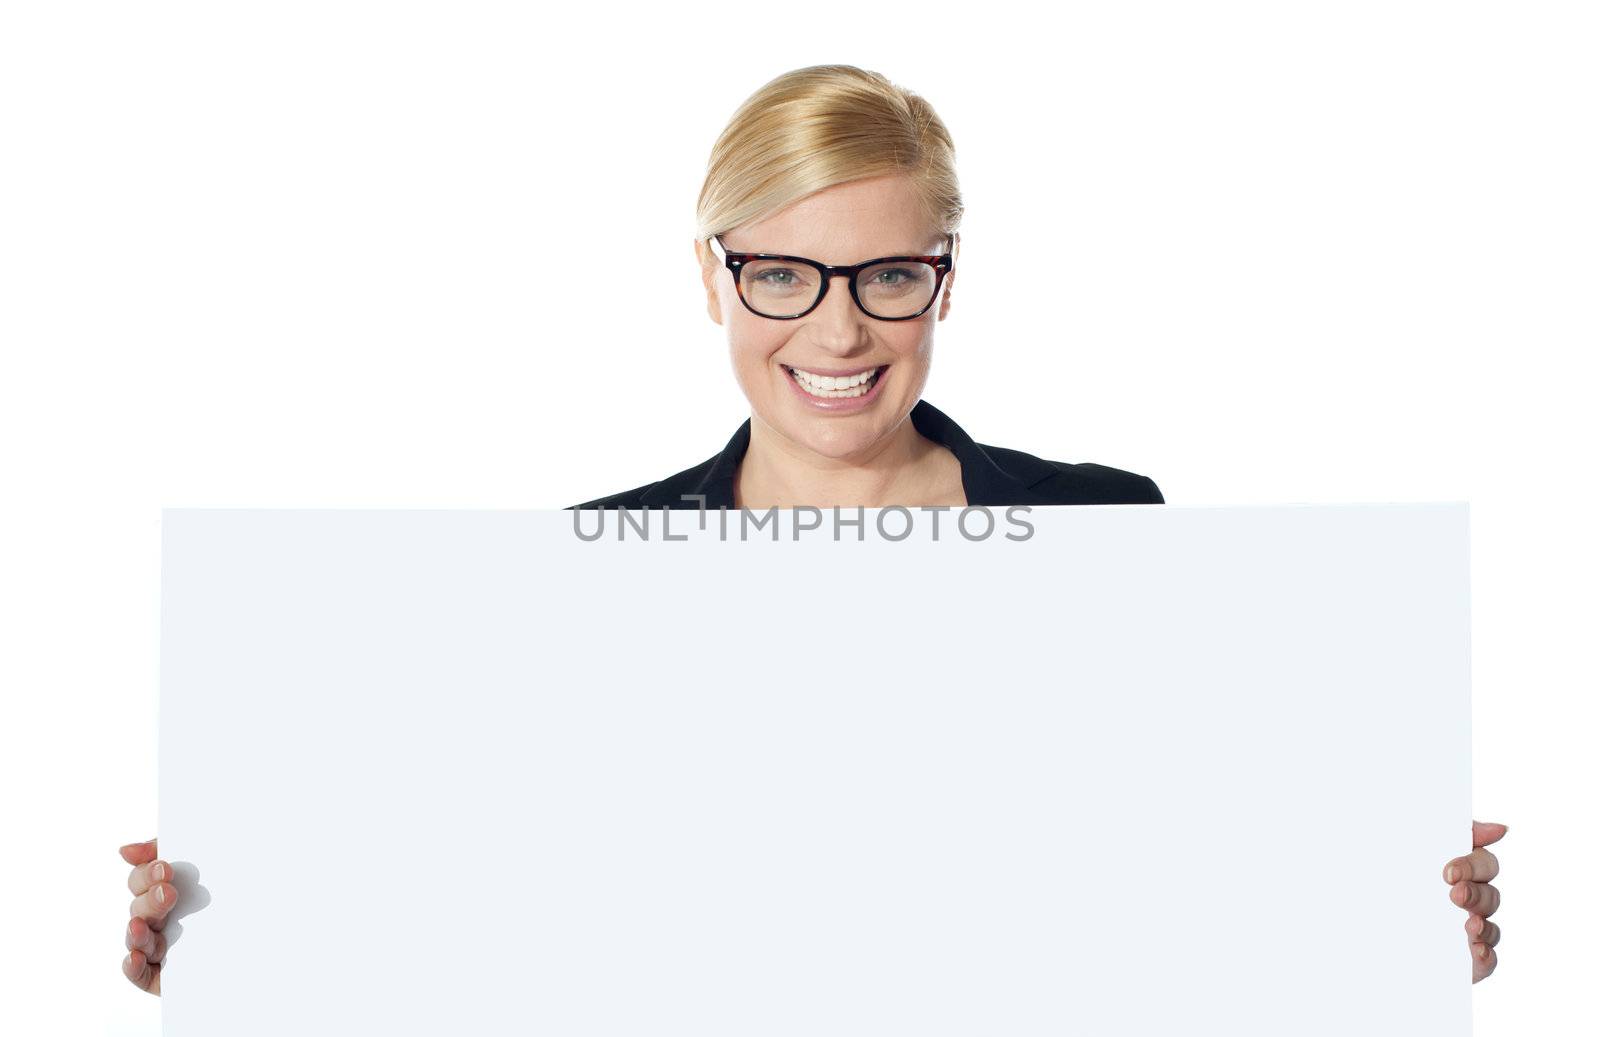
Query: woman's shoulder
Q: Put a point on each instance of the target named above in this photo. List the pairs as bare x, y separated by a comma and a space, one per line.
1070, 482
633, 499
684, 490
1004, 476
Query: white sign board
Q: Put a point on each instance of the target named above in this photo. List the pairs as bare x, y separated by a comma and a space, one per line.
1105, 770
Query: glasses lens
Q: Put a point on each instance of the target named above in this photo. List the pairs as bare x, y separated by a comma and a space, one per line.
779, 288
895, 289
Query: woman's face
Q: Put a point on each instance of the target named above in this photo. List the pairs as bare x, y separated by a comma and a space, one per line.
842, 225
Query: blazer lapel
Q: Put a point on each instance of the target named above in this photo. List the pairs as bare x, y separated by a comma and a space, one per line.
711, 479
991, 476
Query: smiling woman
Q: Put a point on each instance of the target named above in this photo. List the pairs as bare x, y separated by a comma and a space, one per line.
826, 173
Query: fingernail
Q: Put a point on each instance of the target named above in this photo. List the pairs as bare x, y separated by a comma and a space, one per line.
1453, 875
158, 872
161, 895
1483, 951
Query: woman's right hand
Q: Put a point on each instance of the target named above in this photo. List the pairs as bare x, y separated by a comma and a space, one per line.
153, 898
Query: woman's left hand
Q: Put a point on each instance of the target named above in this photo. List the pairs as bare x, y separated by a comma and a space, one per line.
1469, 889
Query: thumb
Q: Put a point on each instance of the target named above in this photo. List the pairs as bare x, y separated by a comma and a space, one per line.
1486, 832
139, 853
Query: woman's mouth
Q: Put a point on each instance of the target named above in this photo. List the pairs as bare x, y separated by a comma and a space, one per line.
834, 387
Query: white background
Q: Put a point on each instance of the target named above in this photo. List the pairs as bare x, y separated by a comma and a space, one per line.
347, 255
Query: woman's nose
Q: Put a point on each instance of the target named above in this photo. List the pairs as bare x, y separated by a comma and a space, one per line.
839, 320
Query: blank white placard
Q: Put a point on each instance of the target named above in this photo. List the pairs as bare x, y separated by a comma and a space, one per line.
1150, 770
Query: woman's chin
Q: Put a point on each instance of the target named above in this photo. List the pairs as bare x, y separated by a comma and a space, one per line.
837, 436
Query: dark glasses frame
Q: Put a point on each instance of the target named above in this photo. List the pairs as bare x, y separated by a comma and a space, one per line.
734, 261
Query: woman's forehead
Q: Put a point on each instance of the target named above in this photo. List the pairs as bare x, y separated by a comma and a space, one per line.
875, 216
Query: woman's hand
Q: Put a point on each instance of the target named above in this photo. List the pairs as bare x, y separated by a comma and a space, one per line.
1469, 888
153, 898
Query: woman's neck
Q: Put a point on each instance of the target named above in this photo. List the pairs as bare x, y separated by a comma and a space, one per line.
904, 468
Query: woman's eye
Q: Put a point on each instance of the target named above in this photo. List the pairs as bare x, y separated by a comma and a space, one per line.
894, 276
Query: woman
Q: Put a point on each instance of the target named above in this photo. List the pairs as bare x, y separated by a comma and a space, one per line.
833, 165
833, 172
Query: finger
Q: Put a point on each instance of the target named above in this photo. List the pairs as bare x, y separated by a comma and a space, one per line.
139, 853
154, 905
1486, 832
1478, 866
140, 879
1478, 897
1484, 959
144, 975
1481, 930
140, 937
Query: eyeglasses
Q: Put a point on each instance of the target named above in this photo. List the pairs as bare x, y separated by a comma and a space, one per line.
787, 287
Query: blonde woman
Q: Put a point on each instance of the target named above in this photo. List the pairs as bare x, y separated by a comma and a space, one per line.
827, 244
828, 247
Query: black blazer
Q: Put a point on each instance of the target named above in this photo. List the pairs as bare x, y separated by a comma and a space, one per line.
992, 476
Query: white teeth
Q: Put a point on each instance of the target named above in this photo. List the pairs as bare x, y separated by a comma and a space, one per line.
833, 388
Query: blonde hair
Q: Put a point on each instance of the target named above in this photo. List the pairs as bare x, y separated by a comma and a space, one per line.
819, 126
